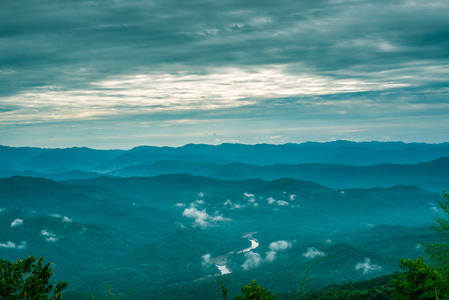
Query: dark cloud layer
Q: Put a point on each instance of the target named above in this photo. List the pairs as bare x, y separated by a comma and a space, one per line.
396, 52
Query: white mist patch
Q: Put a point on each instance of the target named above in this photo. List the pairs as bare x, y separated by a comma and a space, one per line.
11, 245
67, 220
280, 245
231, 205
17, 222
275, 247
253, 260
49, 236
292, 197
250, 198
312, 252
199, 201
206, 260
201, 217
55, 215
271, 200
201, 194
282, 203
367, 266
180, 204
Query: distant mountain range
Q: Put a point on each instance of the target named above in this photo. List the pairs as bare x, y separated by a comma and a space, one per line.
432, 175
339, 152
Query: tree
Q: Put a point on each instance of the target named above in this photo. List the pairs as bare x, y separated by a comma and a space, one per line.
253, 291
420, 281
428, 281
439, 250
28, 279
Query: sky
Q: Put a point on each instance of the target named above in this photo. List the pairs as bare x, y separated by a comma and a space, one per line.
122, 73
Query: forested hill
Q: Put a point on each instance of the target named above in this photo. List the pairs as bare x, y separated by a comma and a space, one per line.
160, 233
338, 164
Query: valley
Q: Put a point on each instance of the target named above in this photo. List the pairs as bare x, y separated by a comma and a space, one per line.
181, 232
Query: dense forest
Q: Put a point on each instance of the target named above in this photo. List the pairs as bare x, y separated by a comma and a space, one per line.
317, 221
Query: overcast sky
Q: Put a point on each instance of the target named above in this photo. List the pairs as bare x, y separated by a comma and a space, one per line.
117, 74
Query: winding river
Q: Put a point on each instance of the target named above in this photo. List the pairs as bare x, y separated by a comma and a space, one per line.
221, 262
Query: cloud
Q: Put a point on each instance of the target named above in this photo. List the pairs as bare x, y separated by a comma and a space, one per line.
247, 195
206, 260
275, 247
292, 197
312, 253
253, 260
271, 200
237, 206
201, 217
11, 245
49, 236
367, 266
67, 220
17, 222
180, 204
271, 256
55, 215
280, 245
307, 60
231, 205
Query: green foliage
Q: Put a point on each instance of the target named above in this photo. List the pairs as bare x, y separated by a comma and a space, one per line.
371, 294
420, 281
28, 279
253, 291
428, 281
224, 292
439, 250
378, 288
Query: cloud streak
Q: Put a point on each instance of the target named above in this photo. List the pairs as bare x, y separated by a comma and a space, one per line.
17, 222
312, 253
128, 61
11, 245
202, 218
367, 266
